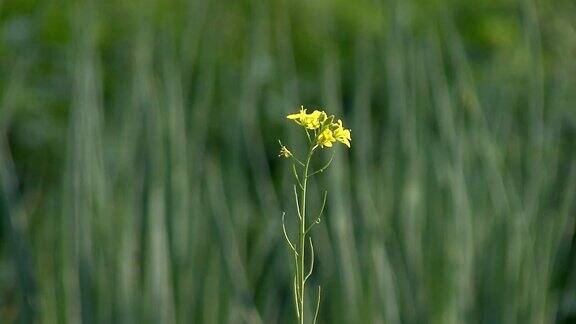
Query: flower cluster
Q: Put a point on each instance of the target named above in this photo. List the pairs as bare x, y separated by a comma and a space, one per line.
326, 131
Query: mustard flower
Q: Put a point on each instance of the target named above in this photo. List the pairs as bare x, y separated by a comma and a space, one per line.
310, 121
326, 138
341, 134
299, 117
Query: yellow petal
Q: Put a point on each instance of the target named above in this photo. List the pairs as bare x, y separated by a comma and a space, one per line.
347, 134
300, 115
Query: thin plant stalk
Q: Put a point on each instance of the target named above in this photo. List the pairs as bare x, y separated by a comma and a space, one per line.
302, 236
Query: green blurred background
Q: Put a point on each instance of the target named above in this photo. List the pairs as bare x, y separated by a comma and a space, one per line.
140, 181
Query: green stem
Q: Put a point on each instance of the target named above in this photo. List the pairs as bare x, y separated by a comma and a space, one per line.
303, 234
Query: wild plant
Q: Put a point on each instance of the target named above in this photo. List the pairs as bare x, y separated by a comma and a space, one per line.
321, 132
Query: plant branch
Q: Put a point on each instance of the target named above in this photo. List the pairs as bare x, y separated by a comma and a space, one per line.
297, 160
296, 176
312, 260
286, 235
296, 300
317, 304
324, 167
318, 219
297, 204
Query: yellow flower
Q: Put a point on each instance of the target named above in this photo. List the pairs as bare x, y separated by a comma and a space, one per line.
285, 152
299, 116
326, 138
310, 121
342, 134
326, 131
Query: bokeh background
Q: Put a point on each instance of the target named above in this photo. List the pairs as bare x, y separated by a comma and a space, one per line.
140, 181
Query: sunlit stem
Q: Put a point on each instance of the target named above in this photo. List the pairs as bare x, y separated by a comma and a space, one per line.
308, 135
303, 232
297, 160
296, 176
311, 260
296, 280
317, 304
297, 203
296, 298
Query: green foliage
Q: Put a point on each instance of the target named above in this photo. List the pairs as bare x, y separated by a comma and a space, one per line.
139, 178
